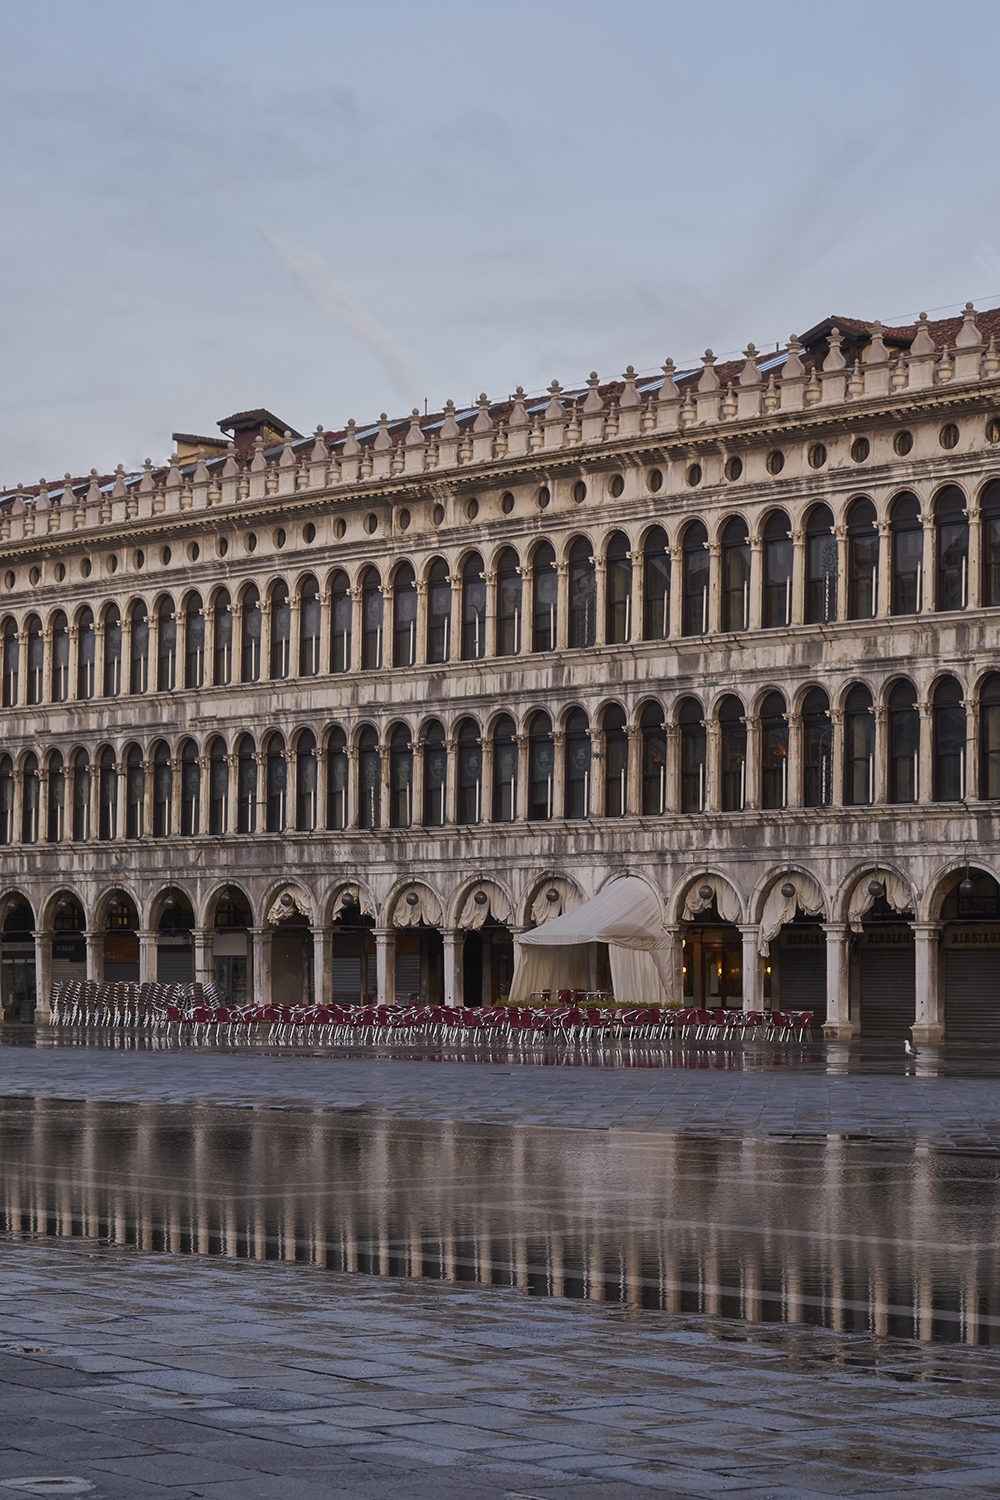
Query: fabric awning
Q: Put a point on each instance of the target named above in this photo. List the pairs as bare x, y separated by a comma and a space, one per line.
626, 913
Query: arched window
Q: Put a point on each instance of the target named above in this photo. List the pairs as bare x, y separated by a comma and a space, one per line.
277, 783
989, 508
735, 575
696, 576
618, 590
222, 652
577, 765
163, 792
733, 753
504, 770
859, 748
654, 759
371, 616
862, 561
337, 764
821, 567
194, 642
36, 659
342, 620
305, 782
6, 800
508, 603
190, 790
545, 597
952, 528
112, 652
435, 774
949, 741
107, 792
473, 608
11, 662
166, 647
281, 631
400, 778
773, 752
86, 646
81, 796
777, 559
582, 594
470, 773
370, 773
218, 787
310, 625
135, 793
138, 679
655, 585
60, 657
903, 724
404, 610
438, 611
246, 785
56, 811
989, 738
817, 749
907, 555
251, 629
541, 768
30, 798
693, 745
615, 762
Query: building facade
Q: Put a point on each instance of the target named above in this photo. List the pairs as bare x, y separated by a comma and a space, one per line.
342, 715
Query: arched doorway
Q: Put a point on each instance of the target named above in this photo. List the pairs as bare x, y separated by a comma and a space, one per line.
292, 971
121, 940
793, 945
418, 973
485, 914
353, 975
69, 945
232, 956
713, 947
970, 943
883, 962
174, 951
17, 960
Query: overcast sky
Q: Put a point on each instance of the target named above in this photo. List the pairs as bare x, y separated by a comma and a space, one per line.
332, 210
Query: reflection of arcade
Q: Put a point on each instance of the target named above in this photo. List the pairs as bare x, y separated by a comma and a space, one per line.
18, 961
713, 961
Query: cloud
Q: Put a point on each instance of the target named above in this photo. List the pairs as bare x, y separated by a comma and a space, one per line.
313, 276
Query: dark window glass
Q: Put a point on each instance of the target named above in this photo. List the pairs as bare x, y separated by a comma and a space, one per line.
733, 754
277, 784
56, 826
305, 782
817, 749
545, 582
903, 725
251, 635
30, 799
618, 590
60, 658
400, 778
862, 561
654, 759
163, 792
166, 656
107, 827
135, 793
246, 785
337, 767
656, 586
508, 604
859, 748
218, 787
504, 770
81, 796
952, 528
949, 742
190, 790
310, 625
990, 512
438, 612
577, 765
735, 575
138, 680
773, 752
473, 609
696, 576
541, 767
281, 631
404, 611
194, 642
693, 747
470, 773
371, 617
112, 652
777, 558
435, 775
86, 646
36, 659
615, 763
11, 663
6, 800
370, 773
342, 606
821, 567
582, 594
907, 555
989, 737
222, 664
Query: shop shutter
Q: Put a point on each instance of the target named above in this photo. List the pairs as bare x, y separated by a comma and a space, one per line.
803, 981
345, 975
972, 995
174, 966
888, 992
408, 975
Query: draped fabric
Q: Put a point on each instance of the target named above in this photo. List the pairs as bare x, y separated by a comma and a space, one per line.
474, 913
726, 898
626, 915
549, 969
779, 909
544, 910
897, 895
640, 977
426, 909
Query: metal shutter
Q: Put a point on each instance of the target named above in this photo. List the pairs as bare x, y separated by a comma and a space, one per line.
408, 975
888, 992
803, 981
972, 995
174, 966
345, 975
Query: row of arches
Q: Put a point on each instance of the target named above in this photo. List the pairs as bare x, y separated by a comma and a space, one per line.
732, 578
774, 752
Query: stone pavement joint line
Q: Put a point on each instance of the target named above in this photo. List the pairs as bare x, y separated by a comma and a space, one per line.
227, 1381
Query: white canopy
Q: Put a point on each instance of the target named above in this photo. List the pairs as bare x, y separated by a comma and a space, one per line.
626, 915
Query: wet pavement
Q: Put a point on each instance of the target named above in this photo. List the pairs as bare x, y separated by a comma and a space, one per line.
296, 1272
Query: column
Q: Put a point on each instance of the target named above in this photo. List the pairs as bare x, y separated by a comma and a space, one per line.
929, 1024
147, 957
714, 624
486, 781
672, 799
523, 772
153, 650
798, 577
633, 788
322, 789
675, 983
265, 637
417, 784
98, 658
451, 783
147, 799
95, 800
208, 662
880, 791
974, 588
385, 964
264, 966
323, 962
751, 967
295, 637
925, 791
357, 625
174, 812
713, 778
455, 619
840, 532
48, 666
562, 607
597, 803
204, 965
95, 956
118, 831
353, 789
756, 581
325, 628
260, 758
837, 773
971, 706
231, 811
838, 1026
385, 794
17, 832
257, 965
490, 580
558, 739
43, 974
600, 600
74, 662
751, 796
883, 603
236, 674
796, 761
454, 953
180, 660
638, 610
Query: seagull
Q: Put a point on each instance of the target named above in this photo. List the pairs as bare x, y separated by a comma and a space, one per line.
910, 1051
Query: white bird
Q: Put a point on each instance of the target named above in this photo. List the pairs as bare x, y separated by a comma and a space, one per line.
910, 1051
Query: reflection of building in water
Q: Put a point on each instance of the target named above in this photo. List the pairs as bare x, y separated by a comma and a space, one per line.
331, 716
829, 1233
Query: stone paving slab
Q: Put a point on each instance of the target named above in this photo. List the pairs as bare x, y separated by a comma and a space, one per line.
771, 1095
625, 1402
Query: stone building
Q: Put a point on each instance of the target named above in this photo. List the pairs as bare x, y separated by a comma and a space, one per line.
343, 714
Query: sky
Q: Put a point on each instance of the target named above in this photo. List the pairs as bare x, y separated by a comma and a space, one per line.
334, 210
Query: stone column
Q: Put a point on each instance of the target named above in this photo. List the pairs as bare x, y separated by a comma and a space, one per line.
230, 813
353, 789
121, 771
486, 781
260, 757
929, 1023
925, 760
147, 956
385, 964
266, 665
94, 810
672, 780
798, 577
236, 674
295, 636
95, 956
43, 974
883, 602
972, 771
974, 589
153, 652
597, 802
180, 658
796, 761
633, 786
203, 953
600, 600
17, 832
756, 581
451, 782
325, 631
322, 788
256, 935
454, 976
74, 663
558, 739
843, 583
880, 790
174, 818
676, 629
322, 962
48, 666
675, 985
208, 662
838, 1026
490, 580
264, 967
714, 622
562, 607
146, 827
713, 767
837, 772
520, 790
357, 624
385, 794
751, 967
752, 774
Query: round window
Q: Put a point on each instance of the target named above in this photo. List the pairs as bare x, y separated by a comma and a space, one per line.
403, 519
222, 546
437, 516
84, 571
694, 474
250, 541
579, 492
165, 556
543, 497
10, 579
617, 485
654, 480
817, 456
34, 575
860, 450
775, 461
339, 528
138, 558
903, 442
279, 537
194, 552
472, 509
60, 572
112, 564
993, 430
949, 436
309, 532
507, 502
734, 467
